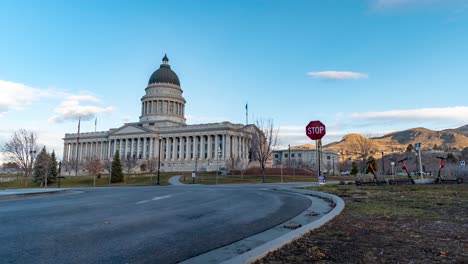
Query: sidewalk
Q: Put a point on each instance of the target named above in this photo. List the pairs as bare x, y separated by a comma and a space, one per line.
175, 180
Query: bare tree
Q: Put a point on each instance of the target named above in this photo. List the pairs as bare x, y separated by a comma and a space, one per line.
151, 166
129, 164
94, 167
365, 146
21, 150
69, 165
265, 139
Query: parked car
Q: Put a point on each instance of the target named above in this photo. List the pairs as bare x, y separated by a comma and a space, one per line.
344, 173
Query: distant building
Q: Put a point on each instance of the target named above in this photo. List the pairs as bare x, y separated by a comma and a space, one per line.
162, 129
301, 157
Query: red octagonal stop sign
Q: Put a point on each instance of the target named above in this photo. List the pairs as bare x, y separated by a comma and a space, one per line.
315, 130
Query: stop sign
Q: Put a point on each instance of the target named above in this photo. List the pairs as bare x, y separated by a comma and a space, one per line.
315, 130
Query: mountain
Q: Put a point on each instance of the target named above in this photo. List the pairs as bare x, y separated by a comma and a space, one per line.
448, 139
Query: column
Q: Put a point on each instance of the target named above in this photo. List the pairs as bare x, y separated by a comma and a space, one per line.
125, 155
167, 146
224, 146
138, 149
151, 148
121, 146
64, 151
189, 151
216, 146
210, 142
202, 147
109, 149
228, 146
174, 148
144, 148
195, 147
156, 148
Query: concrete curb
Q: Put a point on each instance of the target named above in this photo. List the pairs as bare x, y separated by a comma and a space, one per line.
30, 194
261, 251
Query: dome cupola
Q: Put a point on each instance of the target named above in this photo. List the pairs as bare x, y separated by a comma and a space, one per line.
164, 74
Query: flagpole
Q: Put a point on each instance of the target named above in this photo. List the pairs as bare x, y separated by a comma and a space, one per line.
247, 113
95, 125
77, 146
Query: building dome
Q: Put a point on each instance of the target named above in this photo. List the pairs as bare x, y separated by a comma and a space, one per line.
164, 74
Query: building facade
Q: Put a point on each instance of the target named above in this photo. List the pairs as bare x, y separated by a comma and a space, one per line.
306, 158
162, 134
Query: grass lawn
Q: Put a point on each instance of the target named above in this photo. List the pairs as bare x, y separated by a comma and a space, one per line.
388, 224
88, 181
210, 178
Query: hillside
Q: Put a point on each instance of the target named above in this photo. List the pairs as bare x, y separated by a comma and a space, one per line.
351, 144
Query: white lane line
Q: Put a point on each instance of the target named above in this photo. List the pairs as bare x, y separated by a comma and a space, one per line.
160, 197
144, 201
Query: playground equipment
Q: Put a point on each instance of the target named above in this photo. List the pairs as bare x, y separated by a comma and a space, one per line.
440, 180
410, 180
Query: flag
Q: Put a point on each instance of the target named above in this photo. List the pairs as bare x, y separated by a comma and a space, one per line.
78, 137
246, 106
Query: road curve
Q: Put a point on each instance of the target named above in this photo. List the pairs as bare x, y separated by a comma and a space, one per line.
138, 224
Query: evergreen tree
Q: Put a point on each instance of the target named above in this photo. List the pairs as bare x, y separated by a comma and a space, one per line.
409, 148
117, 174
52, 168
354, 169
41, 167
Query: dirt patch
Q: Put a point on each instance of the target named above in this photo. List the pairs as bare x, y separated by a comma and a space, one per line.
391, 224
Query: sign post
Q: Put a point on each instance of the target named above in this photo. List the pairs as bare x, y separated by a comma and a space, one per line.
418, 148
315, 130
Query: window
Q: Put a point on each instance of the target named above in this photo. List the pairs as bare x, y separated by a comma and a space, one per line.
276, 156
299, 155
292, 155
328, 157
285, 155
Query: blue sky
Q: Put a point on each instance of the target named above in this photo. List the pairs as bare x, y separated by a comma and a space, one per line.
369, 67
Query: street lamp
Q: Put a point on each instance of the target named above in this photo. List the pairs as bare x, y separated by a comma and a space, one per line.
159, 159
110, 170
196, 159
217, 164
383, 168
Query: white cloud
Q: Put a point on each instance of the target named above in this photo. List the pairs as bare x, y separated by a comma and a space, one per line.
15, 96
125, 118
456, 113
338, 75
71, 108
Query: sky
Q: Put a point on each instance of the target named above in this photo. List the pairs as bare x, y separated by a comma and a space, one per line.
358, 66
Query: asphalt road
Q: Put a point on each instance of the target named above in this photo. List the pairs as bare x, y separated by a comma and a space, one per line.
138, 224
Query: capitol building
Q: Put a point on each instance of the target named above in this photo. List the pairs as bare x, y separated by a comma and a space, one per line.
162, 133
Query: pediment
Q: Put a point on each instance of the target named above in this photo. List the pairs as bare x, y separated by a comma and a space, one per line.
130, 129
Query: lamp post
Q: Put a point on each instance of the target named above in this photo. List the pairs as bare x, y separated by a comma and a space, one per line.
196, 159
217, 164
59, 173
159, 160
383, 168
110, 170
